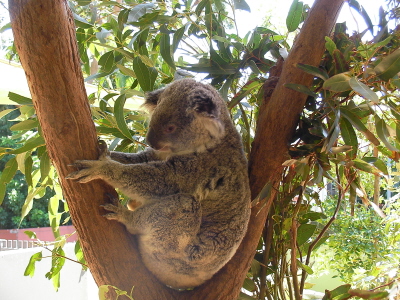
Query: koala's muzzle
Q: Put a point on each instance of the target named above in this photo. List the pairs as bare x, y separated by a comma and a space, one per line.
157, 139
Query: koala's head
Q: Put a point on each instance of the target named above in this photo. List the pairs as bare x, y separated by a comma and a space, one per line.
186, 116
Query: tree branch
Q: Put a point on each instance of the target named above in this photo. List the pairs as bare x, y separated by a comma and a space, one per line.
44, 35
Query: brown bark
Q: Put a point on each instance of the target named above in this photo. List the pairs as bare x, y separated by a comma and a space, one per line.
45, 39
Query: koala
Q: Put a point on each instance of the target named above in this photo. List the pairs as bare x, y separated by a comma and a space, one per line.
190, 192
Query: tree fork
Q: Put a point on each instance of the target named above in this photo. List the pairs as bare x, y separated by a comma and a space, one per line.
44, 35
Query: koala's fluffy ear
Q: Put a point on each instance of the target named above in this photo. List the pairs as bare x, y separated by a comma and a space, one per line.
203, 104
151, 99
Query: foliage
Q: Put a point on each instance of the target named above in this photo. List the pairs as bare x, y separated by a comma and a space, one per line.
16, 190
363, 248
349, 126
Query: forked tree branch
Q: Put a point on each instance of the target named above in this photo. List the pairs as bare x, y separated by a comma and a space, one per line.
44, 34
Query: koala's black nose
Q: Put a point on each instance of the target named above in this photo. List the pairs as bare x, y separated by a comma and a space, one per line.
154, 139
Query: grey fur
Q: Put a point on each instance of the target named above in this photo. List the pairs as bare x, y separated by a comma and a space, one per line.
190, 190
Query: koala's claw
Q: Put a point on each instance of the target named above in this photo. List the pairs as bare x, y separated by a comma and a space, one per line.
116, 211
112, 199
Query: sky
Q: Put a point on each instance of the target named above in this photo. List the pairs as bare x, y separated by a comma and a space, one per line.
278, 11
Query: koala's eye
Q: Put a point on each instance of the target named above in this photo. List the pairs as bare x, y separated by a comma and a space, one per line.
170, 128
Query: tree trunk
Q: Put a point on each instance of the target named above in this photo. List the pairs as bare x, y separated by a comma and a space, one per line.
44, 35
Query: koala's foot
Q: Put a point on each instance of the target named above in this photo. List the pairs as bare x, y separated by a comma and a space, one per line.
116, 211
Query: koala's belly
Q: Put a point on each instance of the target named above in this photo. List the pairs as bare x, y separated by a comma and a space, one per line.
176, 269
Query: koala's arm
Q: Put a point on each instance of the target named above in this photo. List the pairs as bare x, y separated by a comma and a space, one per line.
134, 158
131, 178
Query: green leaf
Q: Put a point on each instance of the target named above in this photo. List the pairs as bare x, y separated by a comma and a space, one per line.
374, 295
45, 165
338, 83
318, 72
330, 45
249, 285
25, 125
360, 9
5, 27
377, 163
3, 188
364, 166
19, 99
301, 88
145, 75
356, 122
83, 2
305, 232
30, 144
107, 61
337, 293
9, 171
30, 234
95, 76
177, 38
26, 208
241, 4
363, 90
333, 133
389, 66
79, 254
5, 112
119, 116
30, 268
165, 49
139, 11
383, 134
305, 267
349, 136
340, 62
126, 71
293, 18
28, 170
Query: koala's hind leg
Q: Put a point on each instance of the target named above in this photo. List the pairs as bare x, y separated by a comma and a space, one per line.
177, 216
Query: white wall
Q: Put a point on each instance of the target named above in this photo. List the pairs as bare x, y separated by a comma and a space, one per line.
14, 285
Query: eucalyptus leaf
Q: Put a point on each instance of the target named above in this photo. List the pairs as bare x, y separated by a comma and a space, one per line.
389, 66
330, 45
19, 99
338, 83
359, 125
30, 268
25, 125
241, 4
293, 18
349, 136
9, 170
363, 90
139, 11
165, 50
318, 72
119, 116
107, 61
383, 134
144, 74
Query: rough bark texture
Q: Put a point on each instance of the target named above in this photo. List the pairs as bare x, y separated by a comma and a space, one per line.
45, 39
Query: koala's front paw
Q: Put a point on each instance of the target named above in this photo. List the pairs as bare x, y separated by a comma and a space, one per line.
88, 170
